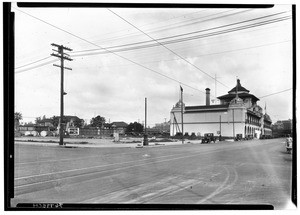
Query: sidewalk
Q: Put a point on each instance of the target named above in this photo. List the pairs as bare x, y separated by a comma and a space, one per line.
95, 143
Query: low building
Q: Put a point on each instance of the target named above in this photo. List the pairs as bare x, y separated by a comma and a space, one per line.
237, 113
45, 122
34, 129
282, 128
119, 127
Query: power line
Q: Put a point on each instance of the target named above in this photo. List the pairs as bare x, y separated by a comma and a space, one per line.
133, 34
37, 66
165, 46
214, 53
275, 93
169, 42
194, 32
119, 55
223, 26
180, 35
33, 62
184, 39
112, 52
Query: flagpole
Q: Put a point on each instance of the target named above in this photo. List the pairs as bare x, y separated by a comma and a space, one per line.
181, 90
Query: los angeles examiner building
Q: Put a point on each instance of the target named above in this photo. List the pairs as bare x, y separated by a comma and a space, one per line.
237, 113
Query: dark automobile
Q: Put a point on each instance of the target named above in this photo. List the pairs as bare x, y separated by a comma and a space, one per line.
208, 137
249, 137
239, 137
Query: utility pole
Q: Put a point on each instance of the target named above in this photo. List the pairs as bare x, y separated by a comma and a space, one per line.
181, 90
215, 85
233, 123
62, 56
145, 135
220, 125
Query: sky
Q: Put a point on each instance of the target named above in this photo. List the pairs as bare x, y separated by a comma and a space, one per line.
122, 56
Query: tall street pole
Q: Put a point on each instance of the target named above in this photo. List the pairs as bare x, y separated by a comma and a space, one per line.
61, 132
233, 123
62, 56
181, 98
145, 135
220, 126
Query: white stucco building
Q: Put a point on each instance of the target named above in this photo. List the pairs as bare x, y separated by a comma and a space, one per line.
237, 113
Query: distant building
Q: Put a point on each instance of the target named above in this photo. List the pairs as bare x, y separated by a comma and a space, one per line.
119, 127
283, 128
45, 122
237, 113
32, 129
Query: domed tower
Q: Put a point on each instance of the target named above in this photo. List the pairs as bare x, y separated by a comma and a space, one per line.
240, 92
238, 89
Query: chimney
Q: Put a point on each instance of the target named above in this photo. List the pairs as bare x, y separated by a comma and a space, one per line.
207, 96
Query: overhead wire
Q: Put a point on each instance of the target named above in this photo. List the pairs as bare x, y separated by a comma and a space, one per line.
109, 52
37, 66
163, 27
136, 63
194, 37
176, 41
169, 48
163, 60
33, 62
166, 47
275, 93
133, 48
215, 53
134, 33
136, 43
128, 49
218, 17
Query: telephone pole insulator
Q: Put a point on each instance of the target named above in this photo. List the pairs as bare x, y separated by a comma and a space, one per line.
62, 56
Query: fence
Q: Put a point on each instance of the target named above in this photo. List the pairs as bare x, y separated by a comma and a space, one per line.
95, 132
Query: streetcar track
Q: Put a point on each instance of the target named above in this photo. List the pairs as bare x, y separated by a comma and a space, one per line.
151, 190
134, 161
109, 170
87, 157
219, 189
196, 153
124, 191
178, 147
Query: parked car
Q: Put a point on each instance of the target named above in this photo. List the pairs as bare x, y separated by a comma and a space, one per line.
249, 137
239, 137
208, 138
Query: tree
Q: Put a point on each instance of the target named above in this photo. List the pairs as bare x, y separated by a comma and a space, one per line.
97, 121
55, 120
78, 123
18, 116
37, 119
135, 127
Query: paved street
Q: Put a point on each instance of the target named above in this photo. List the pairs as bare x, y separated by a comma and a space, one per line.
246, 172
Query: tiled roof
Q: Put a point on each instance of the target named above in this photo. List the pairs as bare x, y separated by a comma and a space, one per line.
267, 118
44, 120
120, 124
241, 95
